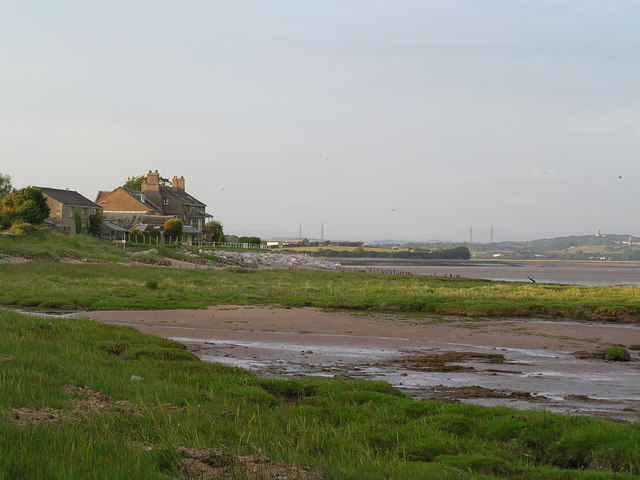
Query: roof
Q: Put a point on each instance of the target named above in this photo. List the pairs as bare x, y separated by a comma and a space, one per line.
183, 196
143, 198
144, 227
199, 213
102, 194
68, 197
190, 229
128, 220
113, 226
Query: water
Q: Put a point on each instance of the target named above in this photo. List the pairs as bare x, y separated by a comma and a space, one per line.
603, 274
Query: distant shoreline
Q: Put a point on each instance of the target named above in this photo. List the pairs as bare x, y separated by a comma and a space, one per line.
355, 261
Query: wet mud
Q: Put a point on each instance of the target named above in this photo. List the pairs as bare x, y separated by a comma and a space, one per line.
525, 364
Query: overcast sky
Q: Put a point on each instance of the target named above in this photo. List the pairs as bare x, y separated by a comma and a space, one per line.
406, 119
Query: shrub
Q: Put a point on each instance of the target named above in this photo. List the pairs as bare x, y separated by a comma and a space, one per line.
26, 205
94, 225
617, 354
22, 228
173, 227
77, 220
151, 284
251, 240
214, 227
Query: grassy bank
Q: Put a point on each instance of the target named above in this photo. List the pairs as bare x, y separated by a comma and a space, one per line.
86, 400
103, 286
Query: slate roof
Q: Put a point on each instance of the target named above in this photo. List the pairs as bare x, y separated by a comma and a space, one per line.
183, 196
143, 198
113, 226
199, 213
129, 220
68, 197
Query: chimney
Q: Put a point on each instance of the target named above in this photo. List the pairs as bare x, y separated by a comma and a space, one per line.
178, 183
152, 181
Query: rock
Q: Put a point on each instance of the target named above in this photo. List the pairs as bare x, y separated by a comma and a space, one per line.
256, 259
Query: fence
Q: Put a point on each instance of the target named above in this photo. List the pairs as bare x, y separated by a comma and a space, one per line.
189, 241
256, 246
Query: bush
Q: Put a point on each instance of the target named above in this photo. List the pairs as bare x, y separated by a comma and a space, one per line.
151, 284
22, 228
94, 225
173, 228
617, 354
251, 240
26, 205
5, 220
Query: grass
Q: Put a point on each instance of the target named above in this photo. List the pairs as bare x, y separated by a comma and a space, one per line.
617, 353
51, 245
110, 286
343, 429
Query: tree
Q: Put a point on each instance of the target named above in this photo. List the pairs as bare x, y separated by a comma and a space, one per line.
173, 227
77, 219
135, 182
5, 185
94, 225
250, 240
215, 228
25, 205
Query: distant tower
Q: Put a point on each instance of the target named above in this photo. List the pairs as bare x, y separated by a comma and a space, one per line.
491, 239
300, 231
470, 238
322, 232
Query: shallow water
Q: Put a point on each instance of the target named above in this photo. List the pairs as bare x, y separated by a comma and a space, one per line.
602, 274
554, 379
539, 372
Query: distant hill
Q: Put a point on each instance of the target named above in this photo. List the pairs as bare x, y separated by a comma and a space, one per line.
573, 247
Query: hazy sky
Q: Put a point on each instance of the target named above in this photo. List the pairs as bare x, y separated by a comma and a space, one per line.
411, 119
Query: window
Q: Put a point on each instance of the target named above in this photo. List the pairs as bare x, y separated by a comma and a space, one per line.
165, 201
70, 212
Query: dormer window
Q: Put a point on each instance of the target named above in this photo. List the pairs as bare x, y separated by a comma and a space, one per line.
165, 201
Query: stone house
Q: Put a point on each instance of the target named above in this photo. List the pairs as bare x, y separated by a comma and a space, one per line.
154, 198
64, 204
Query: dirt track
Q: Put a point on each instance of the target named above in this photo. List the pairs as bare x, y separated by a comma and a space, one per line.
537, 367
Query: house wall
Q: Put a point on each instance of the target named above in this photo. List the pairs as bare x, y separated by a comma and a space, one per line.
174, 207
62, 215
120, 201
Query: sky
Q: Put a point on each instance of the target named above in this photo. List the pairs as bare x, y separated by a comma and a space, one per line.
368, 119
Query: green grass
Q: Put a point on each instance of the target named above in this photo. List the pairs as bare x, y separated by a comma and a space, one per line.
52, 245
110, 286
617, 353
344, 429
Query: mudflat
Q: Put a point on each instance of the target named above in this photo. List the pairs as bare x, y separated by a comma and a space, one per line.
522, 363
